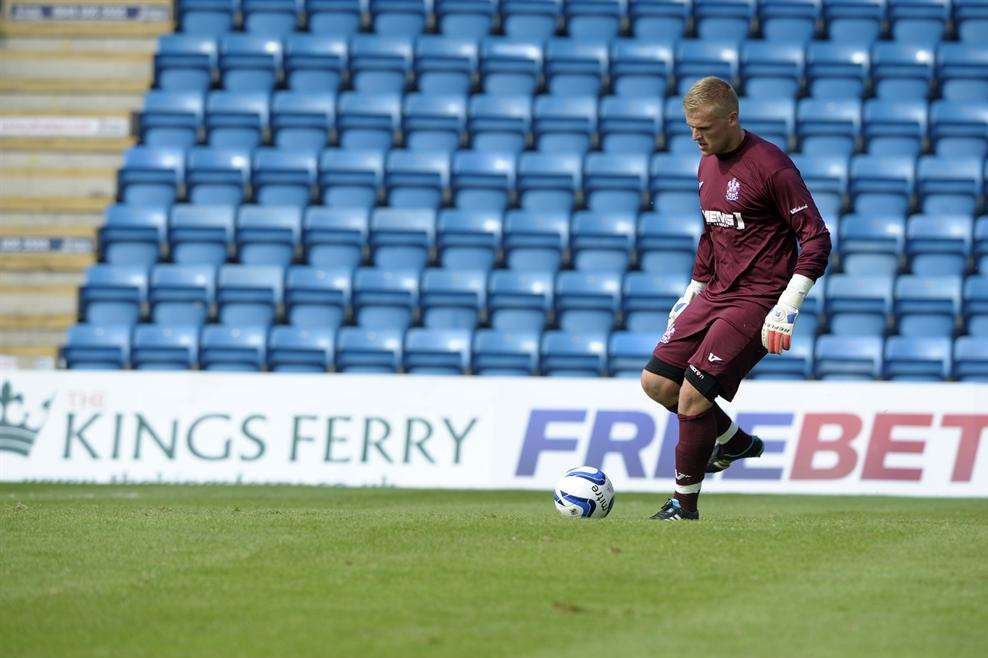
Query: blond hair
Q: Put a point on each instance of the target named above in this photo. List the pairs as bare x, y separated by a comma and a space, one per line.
713, 93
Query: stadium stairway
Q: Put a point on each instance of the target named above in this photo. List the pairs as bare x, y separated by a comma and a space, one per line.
87, 79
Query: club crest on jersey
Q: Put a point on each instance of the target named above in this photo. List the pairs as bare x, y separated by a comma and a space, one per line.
733, 190
667, 336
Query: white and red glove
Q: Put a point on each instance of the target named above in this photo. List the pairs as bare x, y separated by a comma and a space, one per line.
779, 323
692, 290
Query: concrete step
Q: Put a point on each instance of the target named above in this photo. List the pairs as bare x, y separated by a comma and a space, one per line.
115, 104
76, 45
48, 182
10, 159
52, 248
33, 348
49, 307
73, 223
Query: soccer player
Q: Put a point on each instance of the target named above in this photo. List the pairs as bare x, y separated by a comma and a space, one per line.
748, 283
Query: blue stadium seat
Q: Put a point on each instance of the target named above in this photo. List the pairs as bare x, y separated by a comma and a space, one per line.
133, 235
315, 63
575, 67
217, 175
453, 299
602, 241
535, 239
773, 119
667, 241
335, 17
268, 235
872, 243
647, 298
836, 69
981, 244
483, 180
499, 123
96, 347
918, 21
303, 119
181, 294
165, 347
505, 353
881, 183
519, 300
564, 124
434, 122
848, 357
628, 352
405, 18
595, 20
445, 64
171, 118
828, 127
918, 358
772, 69
249, 294
927, 305
971, 359
976, 305
659, 20
678, 135
510, 66
402, 238
468, 239
385, 298
568, 354
615, 182
949, 184
283, 177
416, 179
962, 71
640, 68
673, 182
858, 21
363, 350
113, 294
793, 365
380, 64
232, 349
201, 234
939, 244
902, 70
437, 351
788, 20
957, 128
723, 19
335, 237
350, 177
250, 62
971, 20
549, 181
185, 62
858, 305
826, 178
277, 18
588, 301
895, 126
151, 175
630, 124
315, 297
301, 349
208, 17
534, 20
368, 121
472, 19
697, 58
236, 119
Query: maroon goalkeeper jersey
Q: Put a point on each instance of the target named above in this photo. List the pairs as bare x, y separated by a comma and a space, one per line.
756, 209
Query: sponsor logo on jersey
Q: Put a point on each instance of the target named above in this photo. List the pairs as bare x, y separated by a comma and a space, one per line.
724, 219
733, 190
713, 357
793, 211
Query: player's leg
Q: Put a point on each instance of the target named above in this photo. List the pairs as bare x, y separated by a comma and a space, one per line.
663, 388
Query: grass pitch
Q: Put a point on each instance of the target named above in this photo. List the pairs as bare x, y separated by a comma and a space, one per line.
264, 571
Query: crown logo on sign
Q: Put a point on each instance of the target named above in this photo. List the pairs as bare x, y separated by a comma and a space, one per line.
17, 430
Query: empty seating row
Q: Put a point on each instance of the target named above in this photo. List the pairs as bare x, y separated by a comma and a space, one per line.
493, 352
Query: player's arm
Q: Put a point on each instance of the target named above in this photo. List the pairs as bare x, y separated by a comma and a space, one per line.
795, 205
702, 273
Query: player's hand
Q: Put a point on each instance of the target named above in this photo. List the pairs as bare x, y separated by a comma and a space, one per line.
692, 290
777, 328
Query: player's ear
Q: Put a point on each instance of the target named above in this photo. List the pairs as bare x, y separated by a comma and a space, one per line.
732, 119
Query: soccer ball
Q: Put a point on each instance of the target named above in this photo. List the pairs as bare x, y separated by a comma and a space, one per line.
584, 492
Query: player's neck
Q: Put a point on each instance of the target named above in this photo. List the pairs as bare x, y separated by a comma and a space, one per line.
734, 145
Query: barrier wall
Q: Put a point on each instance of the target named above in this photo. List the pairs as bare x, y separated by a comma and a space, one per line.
477, 432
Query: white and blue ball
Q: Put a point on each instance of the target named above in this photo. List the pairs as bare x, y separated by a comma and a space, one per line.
584, 492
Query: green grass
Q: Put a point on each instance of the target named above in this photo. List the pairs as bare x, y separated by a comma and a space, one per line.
263, 571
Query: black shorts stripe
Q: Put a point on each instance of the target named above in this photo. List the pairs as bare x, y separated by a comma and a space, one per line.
657, 367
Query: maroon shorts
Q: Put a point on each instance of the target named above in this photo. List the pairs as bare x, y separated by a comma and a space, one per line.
719, 344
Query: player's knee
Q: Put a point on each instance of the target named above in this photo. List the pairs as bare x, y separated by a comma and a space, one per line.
691, 401
661, 389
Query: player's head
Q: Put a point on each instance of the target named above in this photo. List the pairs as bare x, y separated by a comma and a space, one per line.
711, 109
